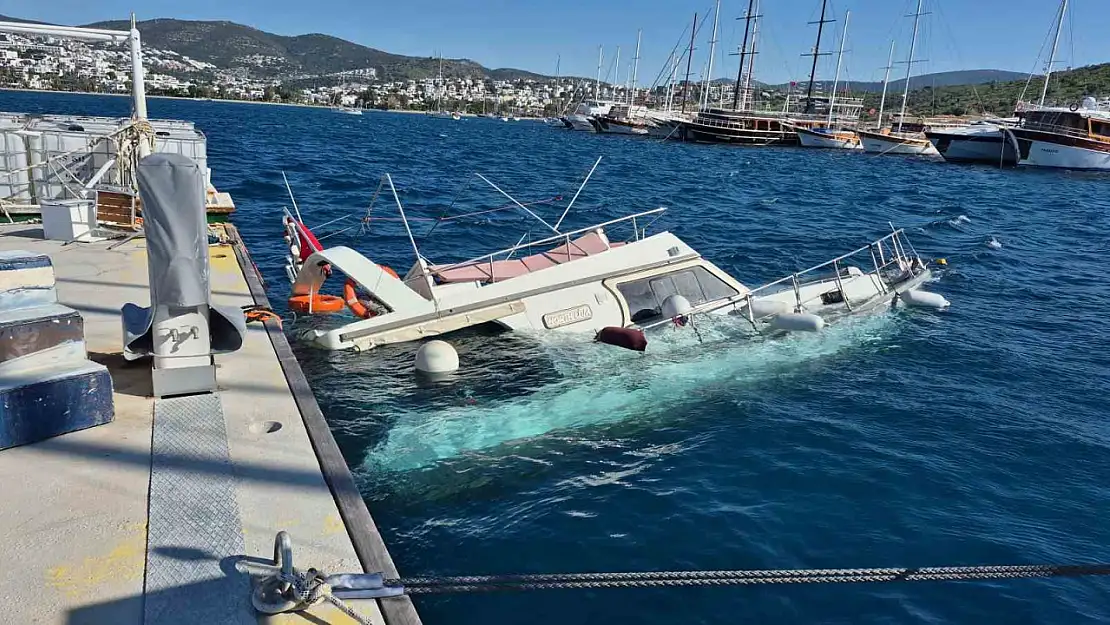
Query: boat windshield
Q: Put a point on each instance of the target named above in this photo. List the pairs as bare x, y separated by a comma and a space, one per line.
644, 296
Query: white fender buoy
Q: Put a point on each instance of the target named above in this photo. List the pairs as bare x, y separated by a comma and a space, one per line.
924, 299
675, 306
797, 322
768, 307
437, 357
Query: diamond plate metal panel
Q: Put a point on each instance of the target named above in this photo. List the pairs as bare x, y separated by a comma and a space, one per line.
195, 530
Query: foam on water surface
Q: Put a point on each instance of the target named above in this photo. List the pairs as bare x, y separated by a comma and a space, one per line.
600, 384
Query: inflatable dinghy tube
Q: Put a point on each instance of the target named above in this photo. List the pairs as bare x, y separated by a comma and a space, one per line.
797, 322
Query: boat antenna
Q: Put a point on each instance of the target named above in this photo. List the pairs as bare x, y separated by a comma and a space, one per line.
291, 198
580, 187
1055, 43
816, 53
513, 200
743, 52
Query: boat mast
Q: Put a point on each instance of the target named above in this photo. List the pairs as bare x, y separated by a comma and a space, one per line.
816, 53
439, 87
1055, 43
909, 67
635, 68
616, 72
886, 79
689, 59
712, 51
751, 57
558, 61
597, 83
839, 58
743, 53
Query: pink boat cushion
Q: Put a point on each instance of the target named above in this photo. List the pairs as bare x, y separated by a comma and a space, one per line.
485, 271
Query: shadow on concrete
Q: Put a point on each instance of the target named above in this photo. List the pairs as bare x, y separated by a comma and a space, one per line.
223, 599
29, 233
254, 472
128, 377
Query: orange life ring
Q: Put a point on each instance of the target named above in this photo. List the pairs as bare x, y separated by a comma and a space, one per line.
389, 270
315, 303
350, 296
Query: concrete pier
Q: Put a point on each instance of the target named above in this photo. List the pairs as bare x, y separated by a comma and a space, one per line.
101, 525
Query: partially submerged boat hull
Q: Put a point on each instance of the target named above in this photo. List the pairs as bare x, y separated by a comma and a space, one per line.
988, 145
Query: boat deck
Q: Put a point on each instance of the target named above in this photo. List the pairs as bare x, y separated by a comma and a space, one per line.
166, 514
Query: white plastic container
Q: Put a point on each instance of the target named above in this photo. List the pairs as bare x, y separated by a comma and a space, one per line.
68, 220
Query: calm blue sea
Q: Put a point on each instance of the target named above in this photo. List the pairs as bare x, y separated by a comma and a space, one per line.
973, 436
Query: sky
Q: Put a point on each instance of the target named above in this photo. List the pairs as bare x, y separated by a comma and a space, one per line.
532, 35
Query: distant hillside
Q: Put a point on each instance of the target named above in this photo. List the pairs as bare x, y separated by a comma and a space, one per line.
938, 79
1065, 88
266, 55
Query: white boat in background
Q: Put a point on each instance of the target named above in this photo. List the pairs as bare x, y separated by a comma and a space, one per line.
829, 138
623, 119
586, 110
988, 141
1076, 137
884, 141
609, 281
349, 110
888, 142
981, 142
832, 136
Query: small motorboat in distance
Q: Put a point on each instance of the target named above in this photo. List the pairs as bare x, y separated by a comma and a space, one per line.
591, 279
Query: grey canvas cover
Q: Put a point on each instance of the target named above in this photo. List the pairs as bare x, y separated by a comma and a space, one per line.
171, 187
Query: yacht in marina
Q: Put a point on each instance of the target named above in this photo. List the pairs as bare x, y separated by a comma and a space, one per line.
747, 123
586, 110
1076, 137
900, 141
623, 119
987, 141
609, 278
832, 136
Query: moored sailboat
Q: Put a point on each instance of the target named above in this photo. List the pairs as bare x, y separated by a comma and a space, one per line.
831, 137
887, 141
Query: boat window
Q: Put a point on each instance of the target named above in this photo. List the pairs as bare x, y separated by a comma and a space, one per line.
645, 296
1100, 128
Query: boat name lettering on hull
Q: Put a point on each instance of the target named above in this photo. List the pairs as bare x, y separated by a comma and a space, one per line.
567, 317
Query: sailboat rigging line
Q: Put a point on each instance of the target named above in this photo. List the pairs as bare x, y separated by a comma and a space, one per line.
291, 198
401, 209
573, 199
443, 214
513, 200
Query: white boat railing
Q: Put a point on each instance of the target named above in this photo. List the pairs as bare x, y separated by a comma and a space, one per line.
565, 237
887, 253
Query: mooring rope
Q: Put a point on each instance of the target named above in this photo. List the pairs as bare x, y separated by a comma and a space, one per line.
490, 583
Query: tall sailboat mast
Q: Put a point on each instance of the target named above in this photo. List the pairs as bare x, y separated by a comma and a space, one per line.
839, 58
1055, 44
886, 80
909, 66
743, 53
616, 72
816, 53
712, 51
751, 54
635, 68
597, 83
689, 59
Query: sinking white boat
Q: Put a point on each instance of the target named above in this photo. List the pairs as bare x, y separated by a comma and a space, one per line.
610, 276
